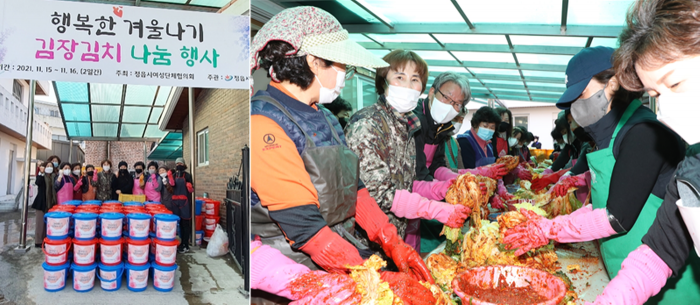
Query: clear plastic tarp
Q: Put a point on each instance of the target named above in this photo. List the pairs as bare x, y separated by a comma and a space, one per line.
111, 112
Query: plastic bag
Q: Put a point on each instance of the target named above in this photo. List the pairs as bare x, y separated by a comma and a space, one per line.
218, 243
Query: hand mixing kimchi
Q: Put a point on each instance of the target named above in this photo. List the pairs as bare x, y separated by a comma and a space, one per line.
511, 162
374, 291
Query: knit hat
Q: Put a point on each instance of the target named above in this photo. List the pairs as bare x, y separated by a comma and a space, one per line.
311, 30
123, 163
180, 160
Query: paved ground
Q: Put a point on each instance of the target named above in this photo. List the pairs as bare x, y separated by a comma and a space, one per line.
200, 279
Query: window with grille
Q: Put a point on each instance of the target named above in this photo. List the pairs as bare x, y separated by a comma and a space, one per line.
17, 90
203, 147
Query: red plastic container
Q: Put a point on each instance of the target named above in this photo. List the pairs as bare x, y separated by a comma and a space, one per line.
211, 207
199, 222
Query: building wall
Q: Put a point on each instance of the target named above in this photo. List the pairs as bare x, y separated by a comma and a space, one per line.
131, 152
540, 122
226, 113
15, 175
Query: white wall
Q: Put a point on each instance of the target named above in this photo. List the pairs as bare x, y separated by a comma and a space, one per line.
540, 121
6, 145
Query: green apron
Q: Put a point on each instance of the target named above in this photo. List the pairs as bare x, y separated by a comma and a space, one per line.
616, 248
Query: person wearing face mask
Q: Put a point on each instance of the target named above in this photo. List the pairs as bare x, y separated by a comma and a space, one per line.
55, 161
558, 141
182, 202
166, 192
307, 198
152, 183
64, 183
452, 151
474, 143
88, 189
503, 136
124, 182
341, 109
45, 199
77, 185
104, 182
139, 178
634, 162
395, 144
664, 267
570, 150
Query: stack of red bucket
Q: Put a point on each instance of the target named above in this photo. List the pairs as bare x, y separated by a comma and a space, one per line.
211, 217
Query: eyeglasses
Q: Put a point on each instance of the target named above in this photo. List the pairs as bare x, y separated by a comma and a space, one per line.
350, 72
452, 102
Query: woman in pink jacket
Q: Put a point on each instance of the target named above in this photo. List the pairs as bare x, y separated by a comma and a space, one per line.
153, 183
64, 183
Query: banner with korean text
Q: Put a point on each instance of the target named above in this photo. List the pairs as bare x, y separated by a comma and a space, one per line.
100, 43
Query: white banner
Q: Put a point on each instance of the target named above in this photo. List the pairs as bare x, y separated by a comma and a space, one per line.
100, 43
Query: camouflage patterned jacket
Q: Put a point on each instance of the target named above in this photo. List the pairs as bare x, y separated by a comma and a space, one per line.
383, 140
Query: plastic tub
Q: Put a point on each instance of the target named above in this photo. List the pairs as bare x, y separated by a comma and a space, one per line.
153, 214
139, 225
133, 203
72, 202
111, 225
212, 207
110, 276
199, 222
57, 225
137, 276
111, 251
207, 234
91, 203
210, 222
56, 251
198, 237
165, 251
549, 286
83, 277
164, 277
166, 226
84, 226
198, 207
55, 276
137, 251
84, 251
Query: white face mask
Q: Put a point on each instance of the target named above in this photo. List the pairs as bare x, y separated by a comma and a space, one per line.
327, 96
151, 171
441, 112
679, 112
164, 175
66, 172
48, 170
457, 126
518, 146
76, 172
106, 168
565, 138
402, 99
512, 142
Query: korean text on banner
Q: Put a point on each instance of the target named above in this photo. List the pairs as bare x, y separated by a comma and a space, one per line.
99, 43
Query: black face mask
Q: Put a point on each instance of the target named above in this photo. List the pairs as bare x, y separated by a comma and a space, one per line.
90, 173
180, 168
343, 122
124, 171
582, 135
503, 127
139, 170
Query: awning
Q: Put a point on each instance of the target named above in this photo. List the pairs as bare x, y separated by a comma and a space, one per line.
509, 49
111, 112
169, 147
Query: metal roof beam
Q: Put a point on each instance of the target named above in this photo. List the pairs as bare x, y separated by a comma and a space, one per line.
487, 28
362, 4
514, 78
564, 14
151, 4
461, 12
465, 47
497, 65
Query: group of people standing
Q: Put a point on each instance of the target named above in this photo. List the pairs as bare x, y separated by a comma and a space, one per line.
58, 182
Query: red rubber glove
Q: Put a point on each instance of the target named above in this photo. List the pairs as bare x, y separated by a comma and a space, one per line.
381, 231
546, 180
320, 288
562, 187
331, 252
497, 202
189, 187
410, 291
503, 192
171, 179
522, 172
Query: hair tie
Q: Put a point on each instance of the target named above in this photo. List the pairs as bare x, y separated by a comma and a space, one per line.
273, 76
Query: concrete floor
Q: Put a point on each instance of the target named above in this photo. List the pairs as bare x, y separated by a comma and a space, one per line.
200, 279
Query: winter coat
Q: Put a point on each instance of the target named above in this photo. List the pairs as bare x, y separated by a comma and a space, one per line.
46, 194
104, 185
430, 134
123, 183
384, 141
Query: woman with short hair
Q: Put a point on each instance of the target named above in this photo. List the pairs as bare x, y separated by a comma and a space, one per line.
475, 143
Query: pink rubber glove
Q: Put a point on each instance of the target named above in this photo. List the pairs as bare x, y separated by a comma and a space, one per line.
494, 171
502, 191
584, 224
414, 206
433, 190
78, 184
642, 276
522, 172
566, 182
446, 174
273, 277
94, 176
547, 171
